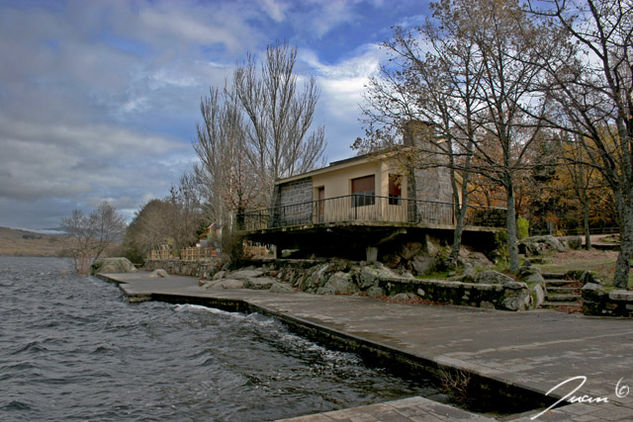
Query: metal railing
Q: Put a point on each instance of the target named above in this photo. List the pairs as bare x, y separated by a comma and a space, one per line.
367, 208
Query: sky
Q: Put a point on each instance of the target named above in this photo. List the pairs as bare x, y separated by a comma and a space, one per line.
99, 100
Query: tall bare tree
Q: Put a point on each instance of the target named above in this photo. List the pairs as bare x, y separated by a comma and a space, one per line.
474, 83
433, 77
592, 83
226, 171
278, 115
92, 234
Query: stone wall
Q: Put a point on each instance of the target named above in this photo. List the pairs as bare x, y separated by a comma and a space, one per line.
598, 300
335, 276
295, 192
200, 269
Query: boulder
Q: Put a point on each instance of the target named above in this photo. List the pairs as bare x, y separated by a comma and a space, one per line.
219, 275
339, 283
371, 275
537, 295
574, 242
245, 274
492, 277
225, 283
281, 288
113, 265
259, 283
475, 259
411, 249
422, 264
516, 296
540, 245
159, 273
375, 291
516, 299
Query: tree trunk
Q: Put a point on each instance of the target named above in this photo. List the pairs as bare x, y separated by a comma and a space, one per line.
457, 234
585, 218
623, 263
511, 227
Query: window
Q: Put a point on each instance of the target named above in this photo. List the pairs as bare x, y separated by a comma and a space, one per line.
364, 191
395, 189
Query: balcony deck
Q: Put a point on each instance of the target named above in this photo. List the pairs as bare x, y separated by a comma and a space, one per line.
357, 221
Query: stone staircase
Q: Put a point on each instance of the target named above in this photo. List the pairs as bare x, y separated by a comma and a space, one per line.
562, 294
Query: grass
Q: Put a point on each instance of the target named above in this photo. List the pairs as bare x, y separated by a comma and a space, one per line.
600, 262
24, 243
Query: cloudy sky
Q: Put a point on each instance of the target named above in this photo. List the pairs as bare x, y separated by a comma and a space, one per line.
99, 99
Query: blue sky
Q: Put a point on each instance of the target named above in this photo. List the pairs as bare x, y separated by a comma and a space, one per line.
99, 99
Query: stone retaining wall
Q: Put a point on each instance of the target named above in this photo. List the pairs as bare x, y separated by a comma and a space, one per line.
598, 300
200, 269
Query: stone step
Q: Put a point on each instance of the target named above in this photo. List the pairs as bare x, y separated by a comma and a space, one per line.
554, 283
562, 297
555, 276
570, 290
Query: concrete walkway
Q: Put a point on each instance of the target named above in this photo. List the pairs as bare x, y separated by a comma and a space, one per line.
534, 350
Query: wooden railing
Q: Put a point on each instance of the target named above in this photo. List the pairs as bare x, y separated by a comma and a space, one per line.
367, 208
197, 254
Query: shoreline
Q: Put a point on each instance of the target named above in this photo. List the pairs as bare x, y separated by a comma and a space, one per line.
339, 326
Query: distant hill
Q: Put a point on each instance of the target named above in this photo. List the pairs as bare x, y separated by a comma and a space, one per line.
26, 243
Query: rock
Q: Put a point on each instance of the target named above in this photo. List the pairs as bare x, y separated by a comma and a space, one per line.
219, 275
516, 297
493, 277
432, 245
592, 292
245, 274
375, 291
421, 264
339, 283
537, 294
420, 292
468, 274
540, 245
475, 259
113, 265
573, 242
259, 283
316, 277
226, 283
371, 275
535, 278
589, 277
159, 273
621, 294
281, 288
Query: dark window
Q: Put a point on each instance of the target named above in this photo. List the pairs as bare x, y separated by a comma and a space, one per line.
395, 189
364, 191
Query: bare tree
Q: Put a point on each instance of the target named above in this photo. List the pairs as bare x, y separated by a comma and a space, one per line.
433, 77
226, 172
474, 83
187, 209
92, 234
278, 115
592, 83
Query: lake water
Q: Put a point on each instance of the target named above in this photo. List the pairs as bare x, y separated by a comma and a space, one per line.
73, 348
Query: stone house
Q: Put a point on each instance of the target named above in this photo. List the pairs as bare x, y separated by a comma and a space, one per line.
365, 201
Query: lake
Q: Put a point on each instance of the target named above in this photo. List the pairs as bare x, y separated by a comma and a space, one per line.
73, 348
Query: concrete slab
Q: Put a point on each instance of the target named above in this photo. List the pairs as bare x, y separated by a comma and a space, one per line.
535, 350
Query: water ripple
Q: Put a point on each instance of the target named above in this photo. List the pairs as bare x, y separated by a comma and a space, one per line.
72, 348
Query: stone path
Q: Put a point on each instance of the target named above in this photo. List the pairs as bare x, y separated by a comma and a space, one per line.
534, 350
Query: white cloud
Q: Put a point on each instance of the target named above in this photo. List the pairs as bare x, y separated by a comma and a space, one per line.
275, 9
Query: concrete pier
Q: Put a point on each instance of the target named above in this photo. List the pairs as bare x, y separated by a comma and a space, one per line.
531, 352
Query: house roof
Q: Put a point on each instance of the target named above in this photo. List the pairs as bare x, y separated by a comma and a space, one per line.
347, 162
